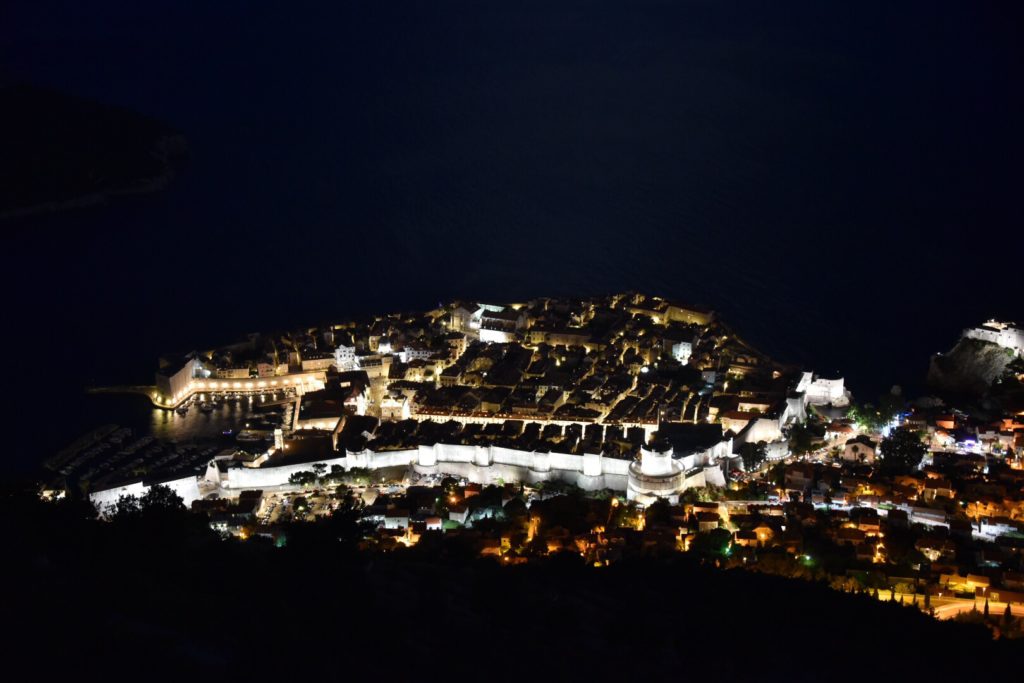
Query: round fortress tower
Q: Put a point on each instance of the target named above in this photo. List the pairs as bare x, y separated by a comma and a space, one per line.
656, 475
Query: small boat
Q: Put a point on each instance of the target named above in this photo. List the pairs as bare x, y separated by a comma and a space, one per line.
206, 407
182, 410
246, 436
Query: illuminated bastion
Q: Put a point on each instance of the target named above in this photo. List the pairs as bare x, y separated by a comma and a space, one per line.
657, 474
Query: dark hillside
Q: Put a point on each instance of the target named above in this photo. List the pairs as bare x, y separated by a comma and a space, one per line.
165, 598
61, 151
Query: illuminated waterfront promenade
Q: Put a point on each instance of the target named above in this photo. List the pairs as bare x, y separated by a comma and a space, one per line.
299, 382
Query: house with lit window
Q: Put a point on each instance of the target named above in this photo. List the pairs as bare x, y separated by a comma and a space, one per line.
860, 449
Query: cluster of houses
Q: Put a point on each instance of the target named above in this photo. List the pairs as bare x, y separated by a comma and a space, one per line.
625, 359
625, 362
944, 430
887, 531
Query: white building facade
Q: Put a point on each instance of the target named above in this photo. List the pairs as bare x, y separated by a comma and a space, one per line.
682, 351
819, 391
345, 358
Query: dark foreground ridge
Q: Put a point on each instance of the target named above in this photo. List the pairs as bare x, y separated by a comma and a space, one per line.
162, 596
61, 152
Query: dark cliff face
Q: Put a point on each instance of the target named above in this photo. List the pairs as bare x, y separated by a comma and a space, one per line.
969, 369
62, 151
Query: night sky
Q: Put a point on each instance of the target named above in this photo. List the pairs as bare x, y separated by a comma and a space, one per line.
840, 179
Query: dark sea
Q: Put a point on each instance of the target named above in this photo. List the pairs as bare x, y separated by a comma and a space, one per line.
841, 180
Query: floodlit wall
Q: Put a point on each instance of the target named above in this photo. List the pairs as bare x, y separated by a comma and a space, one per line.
697, 480
264, 477
482, 464
616, 466
1003, 334
713, 476
588, 465
445, 452
177, 383
511, 456
305, 381
499, 473
822, 391
186, 487
495, 336
322, 423
796, 409
653, 463
495, 464
819, 391
373, 460
101, 499
564, 461
760, 429
314, 364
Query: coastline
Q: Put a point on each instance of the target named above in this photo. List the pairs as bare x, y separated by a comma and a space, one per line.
64, 152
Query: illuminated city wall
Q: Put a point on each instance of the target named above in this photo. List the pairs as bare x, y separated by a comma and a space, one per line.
265, 477
186, 487
300, 382
480, 464
504, 474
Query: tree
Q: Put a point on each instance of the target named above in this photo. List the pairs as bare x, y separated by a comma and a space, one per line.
125, 507
158, 501
700, 494
801, 440
892, 404
302, 478
345, 522
358, 476
658, 513
162, 499
159, 517
753, 454
873, 417
866, 416
777, 474
902, 451
715, 542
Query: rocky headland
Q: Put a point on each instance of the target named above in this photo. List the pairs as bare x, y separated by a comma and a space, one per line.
62, 152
